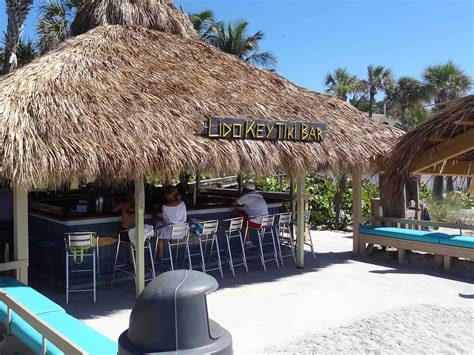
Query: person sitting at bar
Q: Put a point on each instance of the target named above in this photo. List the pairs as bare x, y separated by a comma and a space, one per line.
173, 212
251, 205
127, 208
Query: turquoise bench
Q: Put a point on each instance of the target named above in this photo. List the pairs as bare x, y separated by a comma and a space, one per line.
54, 315
410, 239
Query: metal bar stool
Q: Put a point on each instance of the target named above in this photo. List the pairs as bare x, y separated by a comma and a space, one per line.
206, 236
180, 235
294, 224
233, 229
266, 228
284, 235
79, 245
124, 239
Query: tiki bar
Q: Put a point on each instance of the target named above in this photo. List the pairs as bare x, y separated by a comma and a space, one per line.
136, 98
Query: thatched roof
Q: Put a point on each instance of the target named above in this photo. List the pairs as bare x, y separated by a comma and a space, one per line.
442, 145
117, 102
160, 15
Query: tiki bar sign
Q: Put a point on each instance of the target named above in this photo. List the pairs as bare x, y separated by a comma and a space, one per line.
237, 128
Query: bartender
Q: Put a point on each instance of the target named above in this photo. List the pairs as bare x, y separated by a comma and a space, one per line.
251, 206
127, 208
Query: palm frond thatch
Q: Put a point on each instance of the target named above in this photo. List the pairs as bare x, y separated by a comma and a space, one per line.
119, 101
161, 15
455, 118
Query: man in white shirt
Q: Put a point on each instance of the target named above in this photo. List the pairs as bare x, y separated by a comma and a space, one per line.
252, 206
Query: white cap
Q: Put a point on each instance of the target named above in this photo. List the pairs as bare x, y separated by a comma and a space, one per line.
249, 186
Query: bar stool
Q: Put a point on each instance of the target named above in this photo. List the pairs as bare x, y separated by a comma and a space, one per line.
124, 239
266, 228
233, 229
284, 235
294, 224
180, 236
79, 245
209, 235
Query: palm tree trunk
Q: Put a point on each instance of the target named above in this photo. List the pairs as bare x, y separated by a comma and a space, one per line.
438, 187
371, 104
338, 200
468, 183
449, 184
17, 10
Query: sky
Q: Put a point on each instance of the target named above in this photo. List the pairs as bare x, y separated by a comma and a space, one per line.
311, 38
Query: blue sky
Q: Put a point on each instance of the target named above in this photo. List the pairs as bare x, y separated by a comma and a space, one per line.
311, 38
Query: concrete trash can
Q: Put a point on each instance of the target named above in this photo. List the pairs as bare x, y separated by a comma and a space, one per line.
171, 316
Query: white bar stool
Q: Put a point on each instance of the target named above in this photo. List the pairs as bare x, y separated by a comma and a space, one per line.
206, 236
180, 236
124, 239
294, 225
266, 228
79, 245
284, 235
233, 229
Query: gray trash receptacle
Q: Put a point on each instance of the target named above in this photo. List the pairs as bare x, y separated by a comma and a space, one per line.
171, 315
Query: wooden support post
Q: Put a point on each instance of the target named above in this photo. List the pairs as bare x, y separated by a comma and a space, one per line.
292, 197
140, 235
196, 188
401, 255
300, 223
20, 230
447, 261
240, 181
356, 211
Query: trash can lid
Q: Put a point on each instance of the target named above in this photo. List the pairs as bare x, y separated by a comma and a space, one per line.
171, 312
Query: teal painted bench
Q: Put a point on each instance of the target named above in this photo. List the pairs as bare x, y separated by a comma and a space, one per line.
55, 316
410, 239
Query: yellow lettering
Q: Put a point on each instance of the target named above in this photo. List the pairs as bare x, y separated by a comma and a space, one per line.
260, 128
226, 130
281, 130
312, 133
270, 129
209, 133
320, 135
304, 131
291, 132
249, 128
237, 130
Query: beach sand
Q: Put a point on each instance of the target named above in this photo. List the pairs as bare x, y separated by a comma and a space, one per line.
424, 329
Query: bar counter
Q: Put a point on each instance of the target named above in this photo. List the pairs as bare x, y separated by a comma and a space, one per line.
47, 231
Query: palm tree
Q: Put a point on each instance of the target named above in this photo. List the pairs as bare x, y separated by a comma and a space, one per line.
233, 39
404, 97
54, 24
203, 22
17, 10
341, 83
445, 82
378, 78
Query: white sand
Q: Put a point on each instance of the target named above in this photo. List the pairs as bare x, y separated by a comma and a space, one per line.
339, 304
424, 329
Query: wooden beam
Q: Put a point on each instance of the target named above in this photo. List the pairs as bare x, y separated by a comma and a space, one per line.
465, 123
20, 230
444, 151
450, 168
139, 235
356, 211
300, 223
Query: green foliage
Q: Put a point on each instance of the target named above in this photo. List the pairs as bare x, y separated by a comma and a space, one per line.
274, 183
234, 39
341, 83
369, 191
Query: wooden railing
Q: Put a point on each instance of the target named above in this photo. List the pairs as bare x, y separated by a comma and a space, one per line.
46, 331
414, 223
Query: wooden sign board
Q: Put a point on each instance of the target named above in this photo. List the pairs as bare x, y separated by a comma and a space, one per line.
238, 128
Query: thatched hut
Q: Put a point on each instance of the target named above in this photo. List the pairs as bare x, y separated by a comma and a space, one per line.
442, 145
123, 100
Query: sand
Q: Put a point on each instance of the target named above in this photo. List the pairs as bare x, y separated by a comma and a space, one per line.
425, 329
